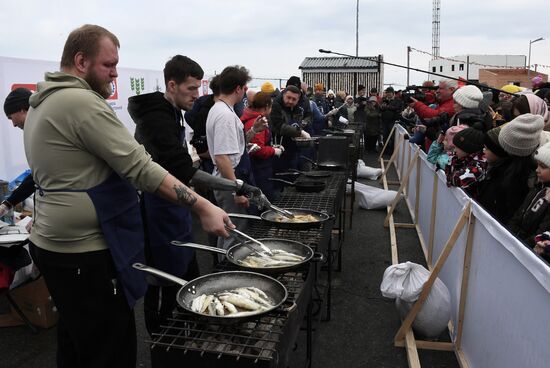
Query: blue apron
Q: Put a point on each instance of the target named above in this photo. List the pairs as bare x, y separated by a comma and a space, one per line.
165, 222
117, 207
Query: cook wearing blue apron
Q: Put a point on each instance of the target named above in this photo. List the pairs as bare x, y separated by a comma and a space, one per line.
95, 292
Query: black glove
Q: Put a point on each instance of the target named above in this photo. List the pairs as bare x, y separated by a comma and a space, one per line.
248, 190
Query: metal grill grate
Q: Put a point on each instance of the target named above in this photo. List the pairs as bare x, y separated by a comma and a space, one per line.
257, 341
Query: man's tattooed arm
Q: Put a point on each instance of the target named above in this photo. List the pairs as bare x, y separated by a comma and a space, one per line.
184, 196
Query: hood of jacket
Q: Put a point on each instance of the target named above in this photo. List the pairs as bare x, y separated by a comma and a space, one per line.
141, 105
249, 114
54, 82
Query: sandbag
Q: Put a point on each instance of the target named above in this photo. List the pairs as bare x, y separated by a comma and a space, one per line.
404, 282
367, 172
369, 197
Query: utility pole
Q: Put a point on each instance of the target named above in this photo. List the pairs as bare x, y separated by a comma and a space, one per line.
357, 30
408, 63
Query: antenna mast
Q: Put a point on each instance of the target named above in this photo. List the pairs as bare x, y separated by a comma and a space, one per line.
435, 28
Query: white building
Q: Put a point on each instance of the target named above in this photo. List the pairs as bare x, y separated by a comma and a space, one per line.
468, 66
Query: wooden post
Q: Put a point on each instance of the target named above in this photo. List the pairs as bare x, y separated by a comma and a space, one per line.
393, 237
465, 278
387, 141
386, 168
432, 222
401, 187
434, 273
417, 198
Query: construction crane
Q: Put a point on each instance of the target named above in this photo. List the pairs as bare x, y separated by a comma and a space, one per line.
435, 28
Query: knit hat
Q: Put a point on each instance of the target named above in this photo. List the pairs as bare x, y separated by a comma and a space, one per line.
267, 87
542, 154
468, 97
294, 81
511, 88
373, 90
319, 87
491, 142
470, 140
451, 132
537, 106
537, 80
17, 100
330, 92
389, 89
521, 136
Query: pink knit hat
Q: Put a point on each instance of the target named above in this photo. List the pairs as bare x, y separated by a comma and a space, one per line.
450, 133
536, 80
537, 106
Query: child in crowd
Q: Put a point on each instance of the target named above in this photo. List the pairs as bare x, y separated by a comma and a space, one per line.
467, 165
542, 245
443, 146
508, 151
533, 217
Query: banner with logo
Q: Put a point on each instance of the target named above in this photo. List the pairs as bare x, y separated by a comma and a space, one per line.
15, 73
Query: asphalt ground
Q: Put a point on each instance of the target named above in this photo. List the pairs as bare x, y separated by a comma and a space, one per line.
359, 334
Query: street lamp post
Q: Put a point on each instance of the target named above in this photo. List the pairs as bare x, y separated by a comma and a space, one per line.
529, 62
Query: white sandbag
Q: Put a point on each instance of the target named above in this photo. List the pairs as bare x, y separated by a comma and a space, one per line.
369, 197
404, 282
367, 172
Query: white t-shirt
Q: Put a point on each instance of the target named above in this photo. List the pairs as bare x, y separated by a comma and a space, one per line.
224, 134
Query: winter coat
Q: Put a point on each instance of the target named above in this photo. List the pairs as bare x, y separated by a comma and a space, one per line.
471, 117
262, 139
373, 121
391, 109
533, 216
505, 186
196, 119
438, 156
425, 112
466, 172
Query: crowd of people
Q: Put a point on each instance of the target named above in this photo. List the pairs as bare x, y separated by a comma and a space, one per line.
106, 199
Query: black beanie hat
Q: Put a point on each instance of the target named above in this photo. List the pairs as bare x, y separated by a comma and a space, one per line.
491, 142
294, 81
17, 100
470, 140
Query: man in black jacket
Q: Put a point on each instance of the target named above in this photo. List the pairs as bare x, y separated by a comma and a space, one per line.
390, 108
159, 127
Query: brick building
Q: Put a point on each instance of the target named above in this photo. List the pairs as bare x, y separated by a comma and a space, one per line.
500, 77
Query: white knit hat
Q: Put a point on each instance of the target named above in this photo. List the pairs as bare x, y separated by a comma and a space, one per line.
521, 136
542, 154
468, 97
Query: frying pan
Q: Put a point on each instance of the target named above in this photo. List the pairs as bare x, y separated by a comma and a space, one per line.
311, 174
239, 252
271, 217
219, 282
325, 165
305, 186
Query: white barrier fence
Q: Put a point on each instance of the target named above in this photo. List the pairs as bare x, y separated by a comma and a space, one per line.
503, 307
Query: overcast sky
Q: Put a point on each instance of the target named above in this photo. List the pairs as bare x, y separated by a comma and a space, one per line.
272, 38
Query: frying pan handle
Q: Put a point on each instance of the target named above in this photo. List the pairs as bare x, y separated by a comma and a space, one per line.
318, 257
289, 308
290, 172
281, 180
159, 273
199, 246
244, 216
308, 159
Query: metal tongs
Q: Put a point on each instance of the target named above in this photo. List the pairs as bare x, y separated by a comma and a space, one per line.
236, 234
266, 203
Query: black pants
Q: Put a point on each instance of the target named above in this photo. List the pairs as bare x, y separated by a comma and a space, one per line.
160, 301
370, 142
96, 326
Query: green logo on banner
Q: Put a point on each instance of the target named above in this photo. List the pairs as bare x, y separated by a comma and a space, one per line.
137, 85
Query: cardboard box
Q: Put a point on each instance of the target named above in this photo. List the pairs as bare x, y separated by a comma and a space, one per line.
35, 302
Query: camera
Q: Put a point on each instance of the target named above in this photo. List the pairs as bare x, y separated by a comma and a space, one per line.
417, 92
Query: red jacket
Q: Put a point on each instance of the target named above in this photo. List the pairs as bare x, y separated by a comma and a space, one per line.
261, 139
425, 112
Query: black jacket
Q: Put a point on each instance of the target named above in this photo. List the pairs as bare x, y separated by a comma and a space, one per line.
391, 110
196, 118
532, 218
505, 186
159, 128
282, 118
